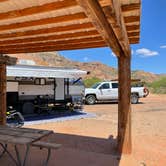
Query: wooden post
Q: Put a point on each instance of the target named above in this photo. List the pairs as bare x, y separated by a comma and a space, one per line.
124, 105
4, 60
2, 94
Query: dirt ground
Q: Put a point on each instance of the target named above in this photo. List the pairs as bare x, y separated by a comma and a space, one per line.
148, 129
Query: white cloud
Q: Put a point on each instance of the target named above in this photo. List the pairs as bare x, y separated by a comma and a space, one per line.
164, 46
113, 54
144, 52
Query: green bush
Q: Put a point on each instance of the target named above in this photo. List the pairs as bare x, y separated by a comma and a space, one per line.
90, 81
159, 86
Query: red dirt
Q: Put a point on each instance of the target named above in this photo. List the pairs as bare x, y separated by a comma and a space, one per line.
91, 141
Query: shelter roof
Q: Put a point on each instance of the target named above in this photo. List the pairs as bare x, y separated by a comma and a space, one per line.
53, 25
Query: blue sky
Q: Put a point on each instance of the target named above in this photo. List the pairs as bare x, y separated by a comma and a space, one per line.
149, 55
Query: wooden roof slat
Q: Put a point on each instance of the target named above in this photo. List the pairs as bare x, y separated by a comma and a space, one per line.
3, 0
38, 9
59, 29
130, 19
51, 37
132, 27
67, 28
53, 43
134, 40
56, 48
58, 19
130, 7
136, 33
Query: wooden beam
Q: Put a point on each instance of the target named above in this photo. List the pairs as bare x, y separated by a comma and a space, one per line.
38, 9
2, 94
56, 48
44, 21
109, 12
4, 60
67, 29
124, 7
124, 106
94, 11
53, 43
85, 34
115, 17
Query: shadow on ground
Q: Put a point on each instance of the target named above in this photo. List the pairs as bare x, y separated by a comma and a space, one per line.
76, 150
113, 102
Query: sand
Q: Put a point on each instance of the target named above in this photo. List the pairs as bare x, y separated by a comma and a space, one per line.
91, 135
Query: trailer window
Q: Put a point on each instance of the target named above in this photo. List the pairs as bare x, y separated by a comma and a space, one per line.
40, 81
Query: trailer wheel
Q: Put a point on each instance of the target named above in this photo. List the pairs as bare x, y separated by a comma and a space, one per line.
28, 108
90, 99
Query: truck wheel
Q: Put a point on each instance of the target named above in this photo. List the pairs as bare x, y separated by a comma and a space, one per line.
90, 99
134, 98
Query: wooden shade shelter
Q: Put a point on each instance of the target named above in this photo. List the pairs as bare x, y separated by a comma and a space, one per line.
54, 25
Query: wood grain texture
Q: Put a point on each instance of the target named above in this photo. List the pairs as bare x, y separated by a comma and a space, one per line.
124, 106
56, 48
44, 21
53, 43
38, 9
21, 135
67, 28
51, 37
2, 94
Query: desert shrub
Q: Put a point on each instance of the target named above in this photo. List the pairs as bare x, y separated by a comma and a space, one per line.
158, 86
90, 81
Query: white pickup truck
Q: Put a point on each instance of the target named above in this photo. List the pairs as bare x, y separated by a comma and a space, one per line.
108, 91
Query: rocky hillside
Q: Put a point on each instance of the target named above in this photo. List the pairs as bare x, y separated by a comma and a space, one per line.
96, 69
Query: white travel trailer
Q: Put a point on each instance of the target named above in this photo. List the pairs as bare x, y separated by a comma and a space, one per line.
31, 88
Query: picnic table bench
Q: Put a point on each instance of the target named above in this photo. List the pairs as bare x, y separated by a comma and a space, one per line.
24, 136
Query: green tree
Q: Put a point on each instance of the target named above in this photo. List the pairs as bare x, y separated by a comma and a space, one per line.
90, 81
159, 86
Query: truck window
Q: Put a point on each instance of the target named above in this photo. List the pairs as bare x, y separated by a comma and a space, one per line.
114, 85
95, 85
105, 86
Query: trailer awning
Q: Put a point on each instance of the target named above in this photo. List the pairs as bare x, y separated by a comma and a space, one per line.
43, 72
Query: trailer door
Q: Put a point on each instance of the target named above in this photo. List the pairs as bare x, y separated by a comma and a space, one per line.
60, 89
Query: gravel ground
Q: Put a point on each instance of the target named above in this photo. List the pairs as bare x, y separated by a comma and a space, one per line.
148, 129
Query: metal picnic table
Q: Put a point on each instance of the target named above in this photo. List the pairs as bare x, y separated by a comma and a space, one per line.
20, 136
